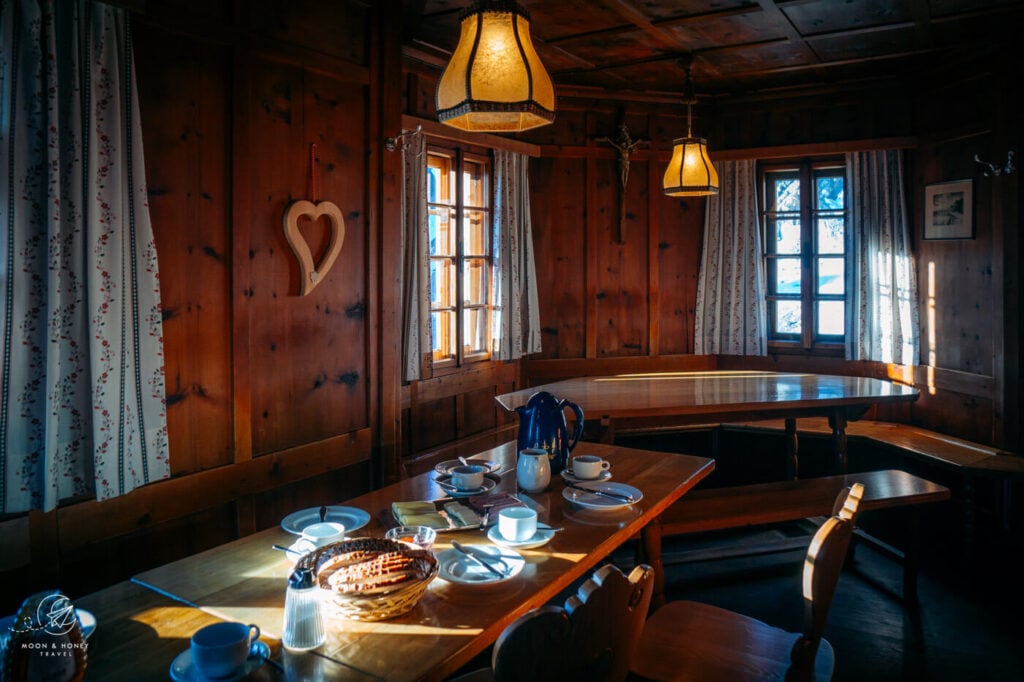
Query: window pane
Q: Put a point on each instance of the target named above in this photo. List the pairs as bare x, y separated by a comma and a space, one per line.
474, 234
787, 317
831, 233
787, 276
787, 236
474, 184
830, 192
830, 276
474, 321
442, 331
442, 236
442, 283
440, 180
474, 282
831, 318
787, 194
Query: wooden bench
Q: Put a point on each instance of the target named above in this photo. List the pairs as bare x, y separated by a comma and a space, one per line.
758, 504
970, 460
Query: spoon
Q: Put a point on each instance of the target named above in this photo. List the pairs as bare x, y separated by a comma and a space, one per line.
464, 462
323, 513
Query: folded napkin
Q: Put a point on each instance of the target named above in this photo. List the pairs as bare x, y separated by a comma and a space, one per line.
418, 514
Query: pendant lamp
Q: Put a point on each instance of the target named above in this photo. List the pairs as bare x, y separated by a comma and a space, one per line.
690, 172
495, 81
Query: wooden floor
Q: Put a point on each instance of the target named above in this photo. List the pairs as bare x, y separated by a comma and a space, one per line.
969, 625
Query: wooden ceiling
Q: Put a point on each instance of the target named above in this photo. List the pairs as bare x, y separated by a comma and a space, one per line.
738, 47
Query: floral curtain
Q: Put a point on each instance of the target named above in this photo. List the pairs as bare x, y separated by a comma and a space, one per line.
884, 297
516, 324
415, 255
82, 404
730, 316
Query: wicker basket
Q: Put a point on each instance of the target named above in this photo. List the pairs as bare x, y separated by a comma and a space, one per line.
373, 604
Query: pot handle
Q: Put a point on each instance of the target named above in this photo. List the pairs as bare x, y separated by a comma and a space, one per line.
578, 431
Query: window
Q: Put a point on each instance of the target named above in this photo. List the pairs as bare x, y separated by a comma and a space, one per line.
806, 256
459, 205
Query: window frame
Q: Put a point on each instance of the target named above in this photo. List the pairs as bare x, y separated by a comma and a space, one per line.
806, 171
459, 155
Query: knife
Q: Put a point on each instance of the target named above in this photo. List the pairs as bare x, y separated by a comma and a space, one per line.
604, 493
472, 555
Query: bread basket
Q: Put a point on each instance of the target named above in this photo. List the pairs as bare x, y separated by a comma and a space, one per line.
371, 601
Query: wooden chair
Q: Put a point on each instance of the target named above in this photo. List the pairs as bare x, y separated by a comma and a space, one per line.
591, 639
687, 640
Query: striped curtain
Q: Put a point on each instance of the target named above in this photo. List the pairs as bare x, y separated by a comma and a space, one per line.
884, 296
515, 329
82, 404
730, 317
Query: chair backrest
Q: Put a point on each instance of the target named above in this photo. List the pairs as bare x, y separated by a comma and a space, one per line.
592, 638
822, 567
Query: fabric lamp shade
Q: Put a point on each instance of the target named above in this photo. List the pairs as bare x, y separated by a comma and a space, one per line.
690, 172
495, 82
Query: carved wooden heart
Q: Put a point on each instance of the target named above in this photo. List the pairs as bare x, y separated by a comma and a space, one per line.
311, 274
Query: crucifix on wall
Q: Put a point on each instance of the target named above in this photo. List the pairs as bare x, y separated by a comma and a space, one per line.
625, 146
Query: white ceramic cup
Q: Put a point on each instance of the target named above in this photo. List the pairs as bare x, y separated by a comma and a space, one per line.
221, 649
588, 466
517, 524
468, 477
323, 533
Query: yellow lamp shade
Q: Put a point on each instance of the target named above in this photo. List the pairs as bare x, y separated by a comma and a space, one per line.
690, 172
495, 81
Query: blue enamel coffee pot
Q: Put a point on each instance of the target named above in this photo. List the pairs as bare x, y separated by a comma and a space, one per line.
542, 424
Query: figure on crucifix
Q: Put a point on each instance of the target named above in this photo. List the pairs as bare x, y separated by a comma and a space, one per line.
625, 144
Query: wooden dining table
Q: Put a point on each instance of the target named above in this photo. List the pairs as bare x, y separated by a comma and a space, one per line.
717, 396
245, 580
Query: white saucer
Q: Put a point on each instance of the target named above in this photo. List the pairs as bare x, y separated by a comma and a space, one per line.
183, 670
456, 567
488, 485
541, 537
589, 500
573, 478
352, 518
447, 466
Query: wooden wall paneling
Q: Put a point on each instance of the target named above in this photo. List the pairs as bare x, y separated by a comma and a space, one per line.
185, 108
621, 275
385, 242
433, 422
655, 197
591, 240
559, 219
479, 411
311, 350
542, 371
164, 501
242, 255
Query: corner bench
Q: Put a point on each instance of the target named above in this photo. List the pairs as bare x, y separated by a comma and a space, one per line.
741, 506
967, 458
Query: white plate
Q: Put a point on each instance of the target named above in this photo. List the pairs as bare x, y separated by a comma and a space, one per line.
541, 537
85, 619
487, 487
594, 501
456, 567
573, 478
183, 670
350, 517
447, 466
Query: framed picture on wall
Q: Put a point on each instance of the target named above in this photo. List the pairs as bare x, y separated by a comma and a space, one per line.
948, 210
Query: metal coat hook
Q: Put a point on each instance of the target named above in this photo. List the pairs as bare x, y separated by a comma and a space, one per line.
393, 143
994, 170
